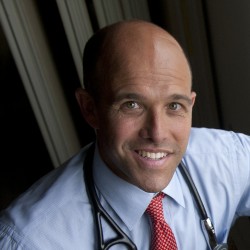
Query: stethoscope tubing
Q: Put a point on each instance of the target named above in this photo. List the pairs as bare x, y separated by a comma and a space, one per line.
99, 211
122, 237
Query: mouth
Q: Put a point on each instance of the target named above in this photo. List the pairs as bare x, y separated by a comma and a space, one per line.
152, 155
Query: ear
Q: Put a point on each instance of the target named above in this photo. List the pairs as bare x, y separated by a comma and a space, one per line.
193, 96
88, 107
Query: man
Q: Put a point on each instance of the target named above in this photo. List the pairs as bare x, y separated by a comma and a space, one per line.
138, 97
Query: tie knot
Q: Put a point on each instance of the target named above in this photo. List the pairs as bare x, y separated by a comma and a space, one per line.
155, 209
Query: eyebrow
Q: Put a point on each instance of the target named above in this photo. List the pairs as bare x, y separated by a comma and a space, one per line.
133, 96
177, 97
136, 96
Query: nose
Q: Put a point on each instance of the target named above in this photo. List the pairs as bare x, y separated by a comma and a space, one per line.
155, 126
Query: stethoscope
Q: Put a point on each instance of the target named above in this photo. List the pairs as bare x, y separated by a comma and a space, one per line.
122, 237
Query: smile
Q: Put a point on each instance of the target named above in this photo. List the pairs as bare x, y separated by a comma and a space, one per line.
152, 155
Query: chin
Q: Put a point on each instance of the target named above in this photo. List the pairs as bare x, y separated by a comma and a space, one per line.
152, 190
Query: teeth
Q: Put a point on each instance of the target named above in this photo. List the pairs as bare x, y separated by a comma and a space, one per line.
151, 155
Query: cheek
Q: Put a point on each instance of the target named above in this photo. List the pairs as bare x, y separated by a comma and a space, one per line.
117, 129
181, 131
124, 129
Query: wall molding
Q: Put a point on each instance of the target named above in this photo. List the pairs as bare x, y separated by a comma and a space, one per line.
27, 41
77, 25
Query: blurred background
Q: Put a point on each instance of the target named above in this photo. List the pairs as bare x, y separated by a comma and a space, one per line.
41, 44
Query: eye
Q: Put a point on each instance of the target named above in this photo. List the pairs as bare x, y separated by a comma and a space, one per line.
131, 108
174, 106
131, 105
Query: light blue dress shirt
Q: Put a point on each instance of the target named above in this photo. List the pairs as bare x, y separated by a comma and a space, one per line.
55, 212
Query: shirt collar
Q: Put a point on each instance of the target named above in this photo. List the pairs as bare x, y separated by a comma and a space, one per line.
127, 200
174, 189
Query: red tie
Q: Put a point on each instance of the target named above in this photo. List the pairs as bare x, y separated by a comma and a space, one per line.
163, 237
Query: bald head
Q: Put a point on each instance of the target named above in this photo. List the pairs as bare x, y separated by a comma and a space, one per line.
121, 47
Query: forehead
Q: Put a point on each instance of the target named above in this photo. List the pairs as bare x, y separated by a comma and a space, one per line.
148, 89
145, 56
158, 65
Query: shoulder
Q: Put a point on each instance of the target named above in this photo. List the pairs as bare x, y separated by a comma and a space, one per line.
221, 150
219, 162
45, 204
203, 139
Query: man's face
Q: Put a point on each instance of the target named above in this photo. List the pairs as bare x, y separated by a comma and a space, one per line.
145, 115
